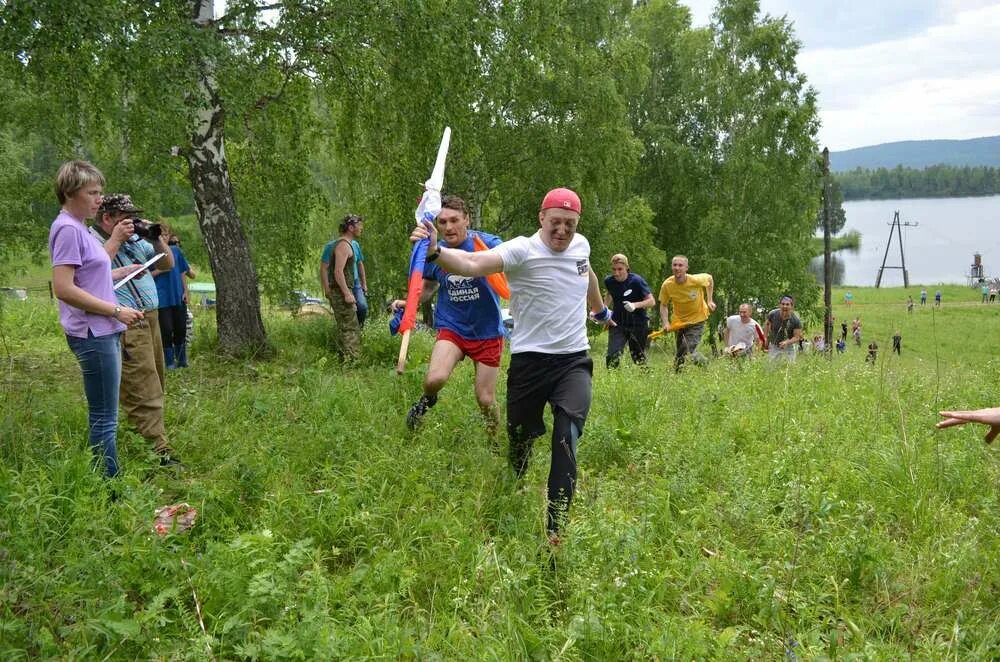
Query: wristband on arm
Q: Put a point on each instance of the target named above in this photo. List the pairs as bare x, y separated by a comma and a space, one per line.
602, 316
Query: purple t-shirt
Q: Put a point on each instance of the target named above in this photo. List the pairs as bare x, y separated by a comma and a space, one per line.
70, 244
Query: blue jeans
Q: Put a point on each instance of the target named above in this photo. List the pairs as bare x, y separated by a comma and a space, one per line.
101, 364
359, 296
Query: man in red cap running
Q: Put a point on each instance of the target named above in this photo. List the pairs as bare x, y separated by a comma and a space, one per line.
551, 287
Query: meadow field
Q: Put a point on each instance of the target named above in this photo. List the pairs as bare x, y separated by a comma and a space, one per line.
738, 511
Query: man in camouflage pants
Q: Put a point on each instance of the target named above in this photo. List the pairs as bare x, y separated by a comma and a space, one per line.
340, 288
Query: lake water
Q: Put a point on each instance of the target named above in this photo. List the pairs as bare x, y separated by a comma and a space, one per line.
938, 250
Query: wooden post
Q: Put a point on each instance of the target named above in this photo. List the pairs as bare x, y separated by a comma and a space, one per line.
827, 259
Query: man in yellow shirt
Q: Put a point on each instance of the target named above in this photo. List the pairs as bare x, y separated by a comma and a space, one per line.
686, 294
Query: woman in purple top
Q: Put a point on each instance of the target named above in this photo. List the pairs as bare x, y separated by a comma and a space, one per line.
88, 310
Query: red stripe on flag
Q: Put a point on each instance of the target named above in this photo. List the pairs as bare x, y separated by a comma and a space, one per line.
413, 290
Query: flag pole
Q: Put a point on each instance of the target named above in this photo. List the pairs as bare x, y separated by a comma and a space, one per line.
403, 349
427, 211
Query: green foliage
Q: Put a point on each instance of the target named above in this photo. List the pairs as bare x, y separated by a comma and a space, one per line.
21, 228
629, 230
838, 217
727, 513
535, 94
115, 77
270, 160
679, 140
850, 241
940, 181
729, 166
128, 80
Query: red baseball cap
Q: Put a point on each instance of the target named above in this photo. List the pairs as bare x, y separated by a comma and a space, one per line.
562, 198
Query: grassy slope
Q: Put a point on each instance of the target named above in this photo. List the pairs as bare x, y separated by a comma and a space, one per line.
728, 512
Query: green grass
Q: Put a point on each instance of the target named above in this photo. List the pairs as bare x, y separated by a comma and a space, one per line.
734, 512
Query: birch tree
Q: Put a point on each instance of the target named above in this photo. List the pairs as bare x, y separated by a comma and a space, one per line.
165, 87
730, 159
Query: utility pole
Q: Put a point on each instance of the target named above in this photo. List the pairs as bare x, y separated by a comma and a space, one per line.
827, 271
897, 227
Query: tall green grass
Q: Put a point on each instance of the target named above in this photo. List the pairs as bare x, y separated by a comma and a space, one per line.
732, 512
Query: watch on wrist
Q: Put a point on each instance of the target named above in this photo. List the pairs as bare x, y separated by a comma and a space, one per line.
435, 255
118, 310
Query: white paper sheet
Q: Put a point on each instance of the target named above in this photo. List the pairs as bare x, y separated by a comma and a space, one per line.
146, 265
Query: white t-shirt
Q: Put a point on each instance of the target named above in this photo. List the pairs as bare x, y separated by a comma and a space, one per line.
548, 294
740, 332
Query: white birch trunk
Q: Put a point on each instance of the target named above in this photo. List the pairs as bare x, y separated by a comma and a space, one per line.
241, 329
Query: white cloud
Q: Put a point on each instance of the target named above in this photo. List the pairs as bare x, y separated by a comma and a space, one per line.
840, 23
943, 82
890, 70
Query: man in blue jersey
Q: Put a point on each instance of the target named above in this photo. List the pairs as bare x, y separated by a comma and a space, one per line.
467, 318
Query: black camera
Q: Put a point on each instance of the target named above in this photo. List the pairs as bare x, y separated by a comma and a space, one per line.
146, 230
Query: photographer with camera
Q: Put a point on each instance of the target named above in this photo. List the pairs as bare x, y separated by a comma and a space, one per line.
129, 240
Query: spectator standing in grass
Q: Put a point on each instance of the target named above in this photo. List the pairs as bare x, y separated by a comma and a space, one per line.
843, 331
985, 290
89, 312
923, 297
690, 297
783, 330
993, 293
909, 305
628, 296
467, 317
144, 380
172, 292
937, 298
551, 285
856, 330
897, 342
337, 279
841, 346
359, 286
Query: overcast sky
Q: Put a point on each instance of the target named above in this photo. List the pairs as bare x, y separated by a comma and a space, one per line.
889, 70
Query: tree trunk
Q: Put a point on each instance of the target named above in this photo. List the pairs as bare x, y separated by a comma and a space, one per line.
241, 329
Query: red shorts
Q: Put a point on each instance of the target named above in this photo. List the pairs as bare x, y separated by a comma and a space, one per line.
486, 351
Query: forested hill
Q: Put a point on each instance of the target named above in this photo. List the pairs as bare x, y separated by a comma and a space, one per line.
938, 181
920, 154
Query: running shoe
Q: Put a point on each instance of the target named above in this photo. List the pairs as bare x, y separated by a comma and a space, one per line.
418, 410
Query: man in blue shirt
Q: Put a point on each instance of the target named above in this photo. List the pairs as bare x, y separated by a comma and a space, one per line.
172, 291
467, 317
143, 379
628, 296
